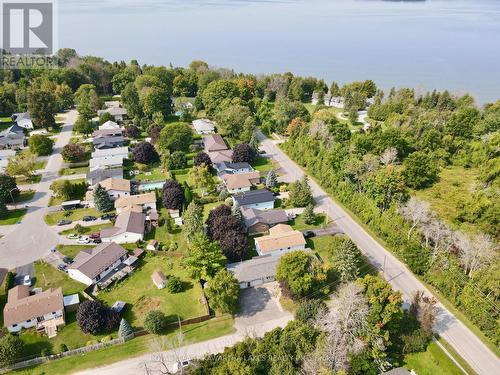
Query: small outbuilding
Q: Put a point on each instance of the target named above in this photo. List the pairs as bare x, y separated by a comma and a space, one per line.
159, 279
71, 302
152, 245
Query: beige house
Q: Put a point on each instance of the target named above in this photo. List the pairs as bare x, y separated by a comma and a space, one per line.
221, 156
129, 228
214, 142
159, 279
282, 238
43, 311
145, 201
238, 183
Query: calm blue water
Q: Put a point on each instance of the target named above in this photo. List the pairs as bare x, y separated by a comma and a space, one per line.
452, 44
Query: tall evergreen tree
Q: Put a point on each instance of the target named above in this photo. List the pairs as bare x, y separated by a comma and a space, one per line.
125, 329
347, 260
236, 211
271, 179
102, 201
193, 220
309, 215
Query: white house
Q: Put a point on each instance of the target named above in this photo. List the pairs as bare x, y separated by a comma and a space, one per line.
5, 155
256, 271
261, 199
203, 126
43, 311
116, 187
23, 120
232, 168
118, 113
282, 238
92, 265
242, 182
146, 202
109, 125
107, 162
129, 228
117, 151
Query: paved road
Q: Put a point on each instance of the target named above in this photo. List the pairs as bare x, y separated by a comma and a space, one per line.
260, 314
479, 357
32, 239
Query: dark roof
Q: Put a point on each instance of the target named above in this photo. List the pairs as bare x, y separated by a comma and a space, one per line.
14, 129
101, 174
254, 196
255, 268
102, 141
228, 165
253, 216
91, 262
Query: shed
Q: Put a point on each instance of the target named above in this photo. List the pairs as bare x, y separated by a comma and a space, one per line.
138, 252
159, 279
71, 205
71, 302
118, 306
152, 245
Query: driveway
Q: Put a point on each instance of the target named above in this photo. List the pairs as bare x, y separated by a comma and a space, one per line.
21, 271
463, 340
32, 239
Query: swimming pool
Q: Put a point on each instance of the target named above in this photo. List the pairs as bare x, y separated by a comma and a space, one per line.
148, 186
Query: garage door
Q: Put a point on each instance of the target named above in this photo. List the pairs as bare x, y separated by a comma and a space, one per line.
256, 282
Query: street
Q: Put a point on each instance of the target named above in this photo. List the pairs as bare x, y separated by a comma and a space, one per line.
477, 354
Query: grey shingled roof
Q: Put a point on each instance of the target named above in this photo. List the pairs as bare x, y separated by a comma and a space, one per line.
254, 196
91, 262
253, 216
255, 268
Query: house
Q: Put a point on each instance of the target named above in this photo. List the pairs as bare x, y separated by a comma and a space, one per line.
152, 219
261, 199
152, 245
226, 167
146, 202
159, 279
258, 221
5, 155
237, 183
93, 265
102, 143
12, 138
118, 113
112, 104
106, 162
256, 271
203, 126
116, 187
43, 311
117, 151
329, 100
221, 156
23, 120
110, 132
100, 174
129, 228
109, 125
282, 238
214, 142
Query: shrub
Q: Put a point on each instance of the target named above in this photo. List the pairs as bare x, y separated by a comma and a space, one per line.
63, 348
91, 342
45, 352
125, 329
11, 348
145, 153
177, 160
416, 341
107, 338
73, 152
174, 284
9, 281
40, 145
308, 310
155, 322
94, 317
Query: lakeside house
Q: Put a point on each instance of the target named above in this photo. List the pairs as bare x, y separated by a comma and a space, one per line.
23, 119
214, 142
261, 199
112, 104
91, 266
145, 202
242, 182
329, 100
260, 221
282, 238
129, 228
203, 126
43, 311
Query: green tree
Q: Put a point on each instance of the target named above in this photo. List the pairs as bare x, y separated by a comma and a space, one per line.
309, 215
216, 93
155, 322
40, 145
223, 292
83, 126
346, 260
271, 179
103, 202
11, 348
174, 284
8, 189
230, 121
300, 273
153, 100
177, 160
73, 152
419, 170
130, 100
285, 111
21, 165
177, 136
42, 106
385, 187
201, 178
204, 258
125, 329
193, 220
301, 193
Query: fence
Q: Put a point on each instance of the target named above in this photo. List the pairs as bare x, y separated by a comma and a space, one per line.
85, 349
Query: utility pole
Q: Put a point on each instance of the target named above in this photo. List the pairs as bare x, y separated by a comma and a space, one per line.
383, 267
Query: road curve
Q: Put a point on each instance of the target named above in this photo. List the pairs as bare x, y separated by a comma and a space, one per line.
466, 343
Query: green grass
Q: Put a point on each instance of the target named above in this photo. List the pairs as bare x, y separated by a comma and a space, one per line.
431, 362
155, 172
46, 276
457, 357
25, 195
35, 179
72, 250
136, 347
87, 230
13, 216
40, 164
78, 214
299, 224
165, 237
73, 171
263, 164
142, 296
209, 207
78, 194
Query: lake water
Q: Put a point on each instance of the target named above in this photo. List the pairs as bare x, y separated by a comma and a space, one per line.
452, 44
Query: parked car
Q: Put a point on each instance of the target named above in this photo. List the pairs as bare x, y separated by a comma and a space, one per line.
309, 234
27, 280
83, 240
96, 240
108, 217
95, 235
72, 236
63, 222
67, 260
89, 218
181, 365
62, 267
53, 250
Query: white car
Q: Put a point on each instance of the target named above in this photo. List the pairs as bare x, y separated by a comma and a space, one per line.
73, 236
27, 280
83, 240
178, 366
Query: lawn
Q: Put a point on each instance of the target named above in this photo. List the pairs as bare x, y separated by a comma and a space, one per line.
13, 216
147, 173
73, 171
46, 276
432, 361
25, 195
209, 207
78, 214
446, 196
87, 230
40, 165
136, 347
263, 165
299, 224
72, 250
142, 296
35, 179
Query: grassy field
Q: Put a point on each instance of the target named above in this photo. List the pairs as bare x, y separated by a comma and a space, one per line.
142, 296
72, 250
431, 362
299, 224
136, 347
13, 216
73, 171
263, 165
46, 276
40, 165
53, 218
445, 196
35, 179
87, 230
151, 173
166, 237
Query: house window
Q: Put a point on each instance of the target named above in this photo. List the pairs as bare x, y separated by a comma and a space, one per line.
54, 313
29, 320
14, 325
98, 277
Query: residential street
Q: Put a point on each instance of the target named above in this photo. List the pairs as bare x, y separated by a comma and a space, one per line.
32, 239
478, 355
